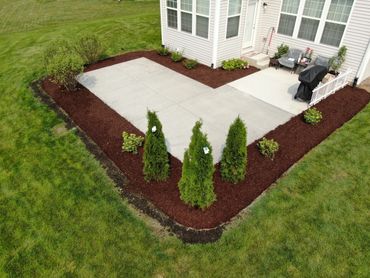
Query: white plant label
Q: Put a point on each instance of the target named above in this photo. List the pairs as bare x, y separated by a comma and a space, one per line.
154, 129
206, 150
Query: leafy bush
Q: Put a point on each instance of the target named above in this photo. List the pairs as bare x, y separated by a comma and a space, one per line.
281, 50
337, 61
234, 155
268, 147
190, 64
312, 116
234, 64
57, 47
176, 56
90, 48
156, 165
163, 51
196, 183
131, 142
64, 68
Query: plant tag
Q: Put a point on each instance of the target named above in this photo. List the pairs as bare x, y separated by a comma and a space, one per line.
154, 129
206, 150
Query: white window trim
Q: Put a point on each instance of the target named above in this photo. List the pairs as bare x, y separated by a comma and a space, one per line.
177, 12
194, 14
322, 21
235, 15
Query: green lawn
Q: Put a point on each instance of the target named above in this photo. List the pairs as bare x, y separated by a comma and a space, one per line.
60, 215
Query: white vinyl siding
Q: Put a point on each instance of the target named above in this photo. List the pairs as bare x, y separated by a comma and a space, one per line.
194, 45
355, 37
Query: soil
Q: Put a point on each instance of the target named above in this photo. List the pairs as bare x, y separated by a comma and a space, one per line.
206, 75
161, 200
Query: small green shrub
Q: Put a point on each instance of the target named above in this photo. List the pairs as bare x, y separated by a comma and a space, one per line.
131, 142
268, 147
90, 48
57, 47
312, 116
190, 64
234, 64
156, 163
336, 62
163, 51
234, 155
196, 183
281, 50
64, 68
176, 56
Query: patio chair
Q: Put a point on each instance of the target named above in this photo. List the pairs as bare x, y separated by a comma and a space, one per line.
320, 61
291, 59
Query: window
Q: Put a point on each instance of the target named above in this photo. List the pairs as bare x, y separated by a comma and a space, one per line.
172, 13
233, 18
310, 19
186, 16
288, 17
193, 14
202, 18
319, 21
336, 22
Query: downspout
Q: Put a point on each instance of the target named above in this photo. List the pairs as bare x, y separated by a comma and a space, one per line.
216, 33
162, 20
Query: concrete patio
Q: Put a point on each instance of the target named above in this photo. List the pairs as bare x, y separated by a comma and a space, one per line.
132, 87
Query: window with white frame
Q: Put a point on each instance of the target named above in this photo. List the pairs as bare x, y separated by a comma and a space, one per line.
233, 18
320, 21
193, 16
288, 16
172, 13
336, 20
202, 18
187, 16
310, 19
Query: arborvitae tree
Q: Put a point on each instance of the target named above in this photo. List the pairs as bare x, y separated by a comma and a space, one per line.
234, 155
156, 165
196, 183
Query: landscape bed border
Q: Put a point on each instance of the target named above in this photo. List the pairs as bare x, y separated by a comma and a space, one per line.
189, 234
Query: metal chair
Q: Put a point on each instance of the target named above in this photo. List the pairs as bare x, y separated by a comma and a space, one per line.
291, 59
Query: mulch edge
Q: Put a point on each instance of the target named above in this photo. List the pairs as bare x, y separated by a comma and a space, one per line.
186, 234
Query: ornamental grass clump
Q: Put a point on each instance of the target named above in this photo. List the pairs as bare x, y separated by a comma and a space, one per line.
268, 147
163, 51
131, 142
312, 116
176, 56
90, 48
156, 163
196, 183
190, 63
234, 155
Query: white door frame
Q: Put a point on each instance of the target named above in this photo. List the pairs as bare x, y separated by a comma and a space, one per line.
254, 28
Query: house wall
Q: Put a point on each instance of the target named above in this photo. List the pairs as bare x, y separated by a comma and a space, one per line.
232, 47
356, 35
192, 46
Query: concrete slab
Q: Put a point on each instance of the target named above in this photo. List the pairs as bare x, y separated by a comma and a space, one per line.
133, 87
274, 86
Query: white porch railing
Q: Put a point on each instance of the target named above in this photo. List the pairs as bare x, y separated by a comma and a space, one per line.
330, 87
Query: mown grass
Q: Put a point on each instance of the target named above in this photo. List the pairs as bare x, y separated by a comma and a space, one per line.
61, 216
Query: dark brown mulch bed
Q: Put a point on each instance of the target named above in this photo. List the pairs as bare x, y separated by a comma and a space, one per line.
206, 75
104, 126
